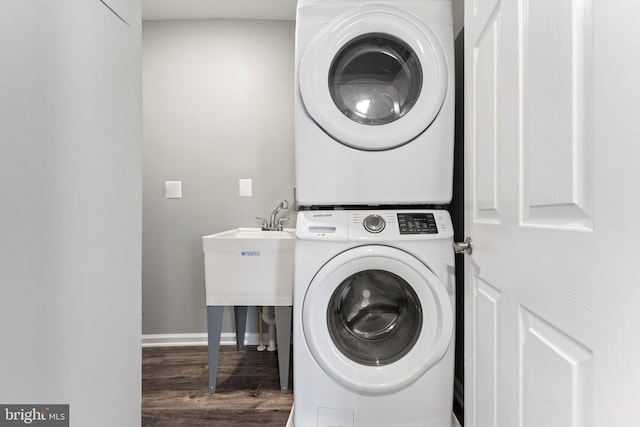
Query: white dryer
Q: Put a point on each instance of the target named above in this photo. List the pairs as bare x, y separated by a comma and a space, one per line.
374, 108
374, 301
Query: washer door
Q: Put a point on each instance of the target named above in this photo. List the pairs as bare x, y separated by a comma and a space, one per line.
374, 78
376, 319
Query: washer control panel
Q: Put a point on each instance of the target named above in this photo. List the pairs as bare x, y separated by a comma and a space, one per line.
417, 223
378, 225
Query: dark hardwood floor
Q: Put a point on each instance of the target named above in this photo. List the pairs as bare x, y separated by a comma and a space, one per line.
175, 388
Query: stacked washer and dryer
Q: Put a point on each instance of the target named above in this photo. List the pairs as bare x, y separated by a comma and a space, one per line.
374, 287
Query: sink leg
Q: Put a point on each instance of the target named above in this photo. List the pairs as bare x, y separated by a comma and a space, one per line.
214, 328
240, 312
283, 335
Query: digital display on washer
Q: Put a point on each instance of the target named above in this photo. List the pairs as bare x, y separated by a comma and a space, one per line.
417, 223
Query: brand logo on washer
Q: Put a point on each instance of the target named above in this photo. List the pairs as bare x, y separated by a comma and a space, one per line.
322, 215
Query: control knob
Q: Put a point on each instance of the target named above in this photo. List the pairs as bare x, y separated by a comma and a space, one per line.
374, 223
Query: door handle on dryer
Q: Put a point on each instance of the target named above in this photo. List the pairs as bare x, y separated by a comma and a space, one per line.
463, 247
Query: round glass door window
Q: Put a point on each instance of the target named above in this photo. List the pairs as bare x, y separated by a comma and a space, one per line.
375, 79
374, 317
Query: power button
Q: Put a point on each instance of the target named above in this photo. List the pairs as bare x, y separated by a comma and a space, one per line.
374, 223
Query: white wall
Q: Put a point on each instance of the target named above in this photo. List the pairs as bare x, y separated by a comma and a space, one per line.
70, 209
218, 106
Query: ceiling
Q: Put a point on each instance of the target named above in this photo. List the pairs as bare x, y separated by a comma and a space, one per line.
220, 9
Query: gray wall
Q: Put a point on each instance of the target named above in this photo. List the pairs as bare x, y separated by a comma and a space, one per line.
218, 106
70, 208
458, 17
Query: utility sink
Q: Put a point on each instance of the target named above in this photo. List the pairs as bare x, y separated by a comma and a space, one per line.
249, 266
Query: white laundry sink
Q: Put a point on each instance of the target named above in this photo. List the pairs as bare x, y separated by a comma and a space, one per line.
249, 266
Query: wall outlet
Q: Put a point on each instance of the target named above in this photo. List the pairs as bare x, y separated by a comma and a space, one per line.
173, 189
245, 188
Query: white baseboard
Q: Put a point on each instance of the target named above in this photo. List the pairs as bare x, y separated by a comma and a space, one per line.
184, 340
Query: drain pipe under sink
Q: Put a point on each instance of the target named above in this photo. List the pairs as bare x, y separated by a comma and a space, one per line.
268, 316
261, 346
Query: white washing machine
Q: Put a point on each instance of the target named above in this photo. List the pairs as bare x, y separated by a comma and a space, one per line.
374, 109
374, 301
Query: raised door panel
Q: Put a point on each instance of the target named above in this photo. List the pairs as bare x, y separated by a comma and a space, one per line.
486, 336
556, 376
485, 114
556, 146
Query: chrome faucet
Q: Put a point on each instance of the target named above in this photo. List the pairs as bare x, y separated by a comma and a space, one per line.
275, 224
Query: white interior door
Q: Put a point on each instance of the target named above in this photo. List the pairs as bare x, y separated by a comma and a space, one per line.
552, 140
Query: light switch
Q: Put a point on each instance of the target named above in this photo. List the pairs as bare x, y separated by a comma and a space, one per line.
245, 188
173, 189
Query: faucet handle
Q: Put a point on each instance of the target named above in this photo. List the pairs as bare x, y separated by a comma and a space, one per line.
281, 220
261, 221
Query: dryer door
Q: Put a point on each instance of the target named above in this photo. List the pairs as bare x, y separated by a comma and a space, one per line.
376, 319
374, 78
